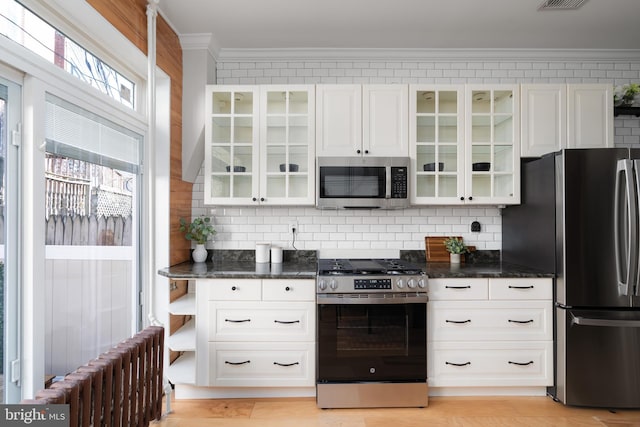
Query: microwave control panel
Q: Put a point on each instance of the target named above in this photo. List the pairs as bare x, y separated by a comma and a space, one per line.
399, 177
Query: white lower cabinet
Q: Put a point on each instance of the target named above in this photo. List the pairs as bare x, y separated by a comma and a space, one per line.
491, 363
261, 321
256, 333
262, 364
491, 320
490, 332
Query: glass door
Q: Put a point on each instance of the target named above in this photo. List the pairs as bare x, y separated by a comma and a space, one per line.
492, 161
437, 144
287, 144
231, 145
10, 117
93, 193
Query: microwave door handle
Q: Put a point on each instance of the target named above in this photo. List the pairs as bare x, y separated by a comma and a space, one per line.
387, 182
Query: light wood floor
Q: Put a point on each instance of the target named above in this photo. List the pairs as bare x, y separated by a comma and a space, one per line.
442, 411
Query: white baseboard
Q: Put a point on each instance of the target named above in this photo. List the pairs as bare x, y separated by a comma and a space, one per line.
183, 391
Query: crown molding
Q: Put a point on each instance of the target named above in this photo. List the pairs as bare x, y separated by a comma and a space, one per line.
201, 41
328, 54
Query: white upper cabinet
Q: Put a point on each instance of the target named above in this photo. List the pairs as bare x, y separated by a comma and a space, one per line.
590, 117
260, 145
436, 139
231, 145
557, 116
287, 144
492, 159
544, 118
464, 144
338, 120
361, 120
385, 120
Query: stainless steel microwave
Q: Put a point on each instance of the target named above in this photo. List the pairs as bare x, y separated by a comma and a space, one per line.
362, 182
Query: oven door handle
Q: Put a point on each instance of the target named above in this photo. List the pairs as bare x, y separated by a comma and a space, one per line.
375, 299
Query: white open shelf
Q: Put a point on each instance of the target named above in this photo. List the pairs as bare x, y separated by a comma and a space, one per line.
183, 369
184, 339
184, 305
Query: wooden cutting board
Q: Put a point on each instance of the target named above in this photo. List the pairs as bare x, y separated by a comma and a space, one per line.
436, 252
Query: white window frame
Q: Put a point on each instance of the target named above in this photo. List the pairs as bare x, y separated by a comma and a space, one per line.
92, 31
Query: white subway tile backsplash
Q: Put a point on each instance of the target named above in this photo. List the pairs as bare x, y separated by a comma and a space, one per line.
241, 227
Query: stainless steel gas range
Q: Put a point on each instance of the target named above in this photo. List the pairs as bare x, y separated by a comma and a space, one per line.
372, 334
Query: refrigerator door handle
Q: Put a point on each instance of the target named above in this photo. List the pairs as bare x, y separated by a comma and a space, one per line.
636, 277
586, 321
625, 275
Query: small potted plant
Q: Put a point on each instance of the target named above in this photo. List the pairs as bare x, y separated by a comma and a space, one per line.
456, 248
198, 231
626, 94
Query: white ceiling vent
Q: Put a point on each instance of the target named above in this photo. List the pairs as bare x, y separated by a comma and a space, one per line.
561, 4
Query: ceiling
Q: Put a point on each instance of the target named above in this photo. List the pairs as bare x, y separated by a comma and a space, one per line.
407, 24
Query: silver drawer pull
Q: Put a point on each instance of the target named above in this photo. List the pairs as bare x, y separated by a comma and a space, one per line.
458, 364
458, 321
521, 321
286, 322
237, 363
520, 287
520, 363
286, 364
237, 321
457, 287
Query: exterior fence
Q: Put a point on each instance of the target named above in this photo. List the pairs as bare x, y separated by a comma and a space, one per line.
89, 230
85, 230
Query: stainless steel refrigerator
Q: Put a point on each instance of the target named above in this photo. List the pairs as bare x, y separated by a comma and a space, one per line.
579, 218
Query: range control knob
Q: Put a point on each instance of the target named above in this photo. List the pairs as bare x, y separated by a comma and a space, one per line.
333, 284
421, 283
322, 284
411, 283
400, 283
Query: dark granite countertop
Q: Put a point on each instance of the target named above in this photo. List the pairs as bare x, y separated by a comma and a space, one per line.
482, 263
499, 269
240, 264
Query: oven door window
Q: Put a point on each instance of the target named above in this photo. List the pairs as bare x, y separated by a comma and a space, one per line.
372, 342
339, 182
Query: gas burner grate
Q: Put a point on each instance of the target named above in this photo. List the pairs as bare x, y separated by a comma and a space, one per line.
366, 267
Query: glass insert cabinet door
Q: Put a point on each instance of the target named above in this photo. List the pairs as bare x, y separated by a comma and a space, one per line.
493, 145
287, 143
437, 143
231, 144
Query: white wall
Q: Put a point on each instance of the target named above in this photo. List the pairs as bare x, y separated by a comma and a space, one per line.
240, 228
